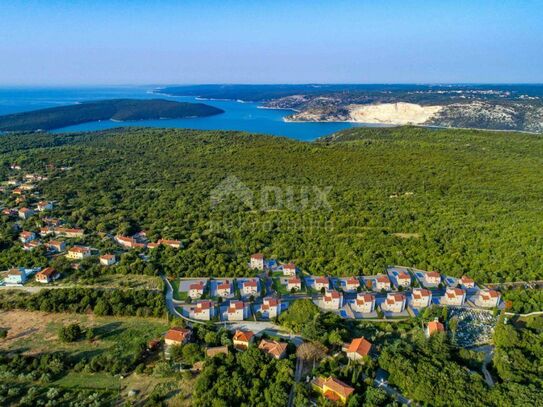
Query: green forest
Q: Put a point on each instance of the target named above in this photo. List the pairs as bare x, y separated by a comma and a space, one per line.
456, 201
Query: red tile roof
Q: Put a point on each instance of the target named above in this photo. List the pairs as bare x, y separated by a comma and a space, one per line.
178, 334
290, 266
197, 286
274, 348
383, 279
338, 386
243, 336
235, 305
257, 256
360, 345
435, 326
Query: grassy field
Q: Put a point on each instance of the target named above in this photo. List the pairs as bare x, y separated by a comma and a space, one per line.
35, 332
99, 381
132, 281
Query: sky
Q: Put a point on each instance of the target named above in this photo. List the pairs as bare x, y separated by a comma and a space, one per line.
206, 41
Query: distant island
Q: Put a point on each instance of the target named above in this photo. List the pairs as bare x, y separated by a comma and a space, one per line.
114, 109
485, 106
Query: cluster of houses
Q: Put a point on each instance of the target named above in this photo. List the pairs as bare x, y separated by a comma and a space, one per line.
139, 241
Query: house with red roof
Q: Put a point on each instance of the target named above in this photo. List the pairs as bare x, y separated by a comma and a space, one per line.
421, 298
403, 279
432, 279
271, 307
107, 259
249, 287
434, 327
235, 311
56, 246
364, 303
257, 261
196, 290
382, 282
358, 349
27, 236
176, 244
78, 252
322, 282
289, 270
488, 298
467, 282
294, 283
332, 300
454, 297
177, 336
277, 350
333, 389
47, 275
203, 310
242, 339
224, 289
395, 302
44, 206
352, 284
25, 213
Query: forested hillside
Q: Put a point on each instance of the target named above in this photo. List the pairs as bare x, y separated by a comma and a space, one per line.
457, 201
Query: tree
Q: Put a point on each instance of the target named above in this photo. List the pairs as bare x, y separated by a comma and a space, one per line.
70, 333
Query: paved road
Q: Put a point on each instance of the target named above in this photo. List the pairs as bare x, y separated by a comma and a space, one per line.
488, 350
297, 377
381, 383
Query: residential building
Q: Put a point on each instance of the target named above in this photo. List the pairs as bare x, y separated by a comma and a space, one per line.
152, 245
294, 283
382, 282
358, 349
434, 327
224, 289
235, 311
56, 246
176, 244
203, 310
352, 284
467, 282
177, 336
488, 298
395, 302
421, 298
47, 275
249, 287
364, 303
78, 252
216, 350
44, 206
107, 259
322, 282
333, 389
332, 299
289, 270
271, 307
27, 236
277, 350
403, 279
31, 245
129, 242
242, 339
68, 232
25, 213
257, 261
196, 290
432, 279
454, 297
16, 276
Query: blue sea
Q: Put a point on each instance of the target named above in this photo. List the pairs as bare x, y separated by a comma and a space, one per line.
245, 116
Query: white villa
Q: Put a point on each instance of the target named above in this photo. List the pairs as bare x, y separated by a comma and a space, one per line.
249, 287
403, 279
351, 284
467, 282
271, 307
257, 261
488, 298
421, 298
322, 282
395, 302
203, 310
332, 300
432, 279
295, 283
289, 269
235, 311
364, 303
196, 290
382, 282
454, 296
224, 289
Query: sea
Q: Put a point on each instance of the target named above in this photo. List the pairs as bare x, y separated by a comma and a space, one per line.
238, 115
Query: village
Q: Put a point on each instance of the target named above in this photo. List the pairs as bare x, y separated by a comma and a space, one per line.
249, 306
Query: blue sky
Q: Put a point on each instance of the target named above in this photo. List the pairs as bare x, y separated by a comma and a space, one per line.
162, 42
